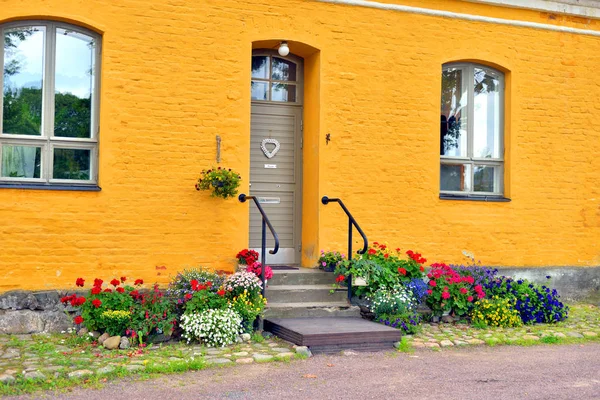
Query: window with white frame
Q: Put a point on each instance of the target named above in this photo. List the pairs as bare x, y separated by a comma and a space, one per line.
471, 133
49, 104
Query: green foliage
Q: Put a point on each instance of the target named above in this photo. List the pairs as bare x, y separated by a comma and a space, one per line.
115, 321
152, 313
258, 337
249, 308
223, 182
495, 312
203, 300
382, 268
329, 260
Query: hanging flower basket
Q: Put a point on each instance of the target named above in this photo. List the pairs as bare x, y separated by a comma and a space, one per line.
222, 182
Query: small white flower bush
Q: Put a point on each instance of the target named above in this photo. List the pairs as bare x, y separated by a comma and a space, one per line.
243, 282
396, 300
217, 328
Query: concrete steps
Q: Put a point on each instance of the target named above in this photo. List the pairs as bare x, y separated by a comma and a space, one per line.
306, 293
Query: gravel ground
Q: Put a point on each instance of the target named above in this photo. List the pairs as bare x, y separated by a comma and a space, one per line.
506, 372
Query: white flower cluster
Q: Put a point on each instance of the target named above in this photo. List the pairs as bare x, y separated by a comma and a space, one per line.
241, 281
214, 327
391, 301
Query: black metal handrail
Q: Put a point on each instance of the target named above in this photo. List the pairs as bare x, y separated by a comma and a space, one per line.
265, 222
351, 222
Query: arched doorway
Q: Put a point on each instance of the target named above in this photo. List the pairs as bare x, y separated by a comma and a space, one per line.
276, 151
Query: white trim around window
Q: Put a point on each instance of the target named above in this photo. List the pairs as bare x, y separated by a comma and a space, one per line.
60, 61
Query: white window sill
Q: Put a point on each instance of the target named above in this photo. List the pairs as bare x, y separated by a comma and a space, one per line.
45, 186
490, 199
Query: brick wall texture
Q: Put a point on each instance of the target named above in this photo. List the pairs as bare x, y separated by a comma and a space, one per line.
176, 73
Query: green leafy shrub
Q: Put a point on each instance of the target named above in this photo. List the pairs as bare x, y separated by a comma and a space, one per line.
249, 308
152, 313
115, 321
382, 268
496, 311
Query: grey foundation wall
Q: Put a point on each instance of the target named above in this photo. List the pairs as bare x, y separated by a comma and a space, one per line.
573, 283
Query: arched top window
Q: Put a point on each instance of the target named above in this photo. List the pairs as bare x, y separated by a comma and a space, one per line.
472, 130
49, 104
275, 78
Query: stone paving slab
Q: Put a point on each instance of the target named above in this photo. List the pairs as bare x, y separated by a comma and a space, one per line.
583, 324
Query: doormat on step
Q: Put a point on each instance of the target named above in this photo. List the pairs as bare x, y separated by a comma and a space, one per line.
283, 268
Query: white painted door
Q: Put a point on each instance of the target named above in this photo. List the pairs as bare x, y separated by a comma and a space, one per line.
275, 178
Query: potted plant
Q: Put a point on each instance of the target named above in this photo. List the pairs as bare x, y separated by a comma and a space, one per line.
246, 258
329, 260
223, 182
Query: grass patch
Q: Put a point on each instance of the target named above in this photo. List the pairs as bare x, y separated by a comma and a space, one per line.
405, 346
258, 337
550, 339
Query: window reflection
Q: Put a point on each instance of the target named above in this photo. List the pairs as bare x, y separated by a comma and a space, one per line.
23, 75
283, 70
260, 67
74, 84
283, 92
21, 161
486, 138
453, 130
455, 178
71, 164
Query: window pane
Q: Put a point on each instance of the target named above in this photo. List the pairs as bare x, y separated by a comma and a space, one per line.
260, 67
486, 178
71, 164
455, 178
487, 115
453, 131
283, 92
23, 77
74, 84
283, 70
259, 90
21, 161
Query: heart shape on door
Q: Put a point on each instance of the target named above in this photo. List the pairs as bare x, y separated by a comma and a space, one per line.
263, 147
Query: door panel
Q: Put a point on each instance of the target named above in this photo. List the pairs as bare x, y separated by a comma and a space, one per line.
276, 181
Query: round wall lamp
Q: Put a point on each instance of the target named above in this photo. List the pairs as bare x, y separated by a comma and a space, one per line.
283, 50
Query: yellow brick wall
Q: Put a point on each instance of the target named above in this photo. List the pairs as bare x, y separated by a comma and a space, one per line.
175, 74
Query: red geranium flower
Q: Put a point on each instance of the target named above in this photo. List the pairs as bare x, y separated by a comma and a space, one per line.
402, 271
78, 320
134, 294
115, 282
340, 278
470, 298
120, 290
445, 295
97, 303
386, 255
79, 282
429, 291
98, 282
96, 290
107, 290
372, 251
187, 296
422, 269
463, 290
432, 283
221, 292
123, 279
139, 282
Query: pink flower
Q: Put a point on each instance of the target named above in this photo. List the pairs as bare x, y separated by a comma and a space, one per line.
445, 295
463, 290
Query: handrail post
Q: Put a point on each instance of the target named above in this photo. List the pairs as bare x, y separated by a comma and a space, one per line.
265, 223
351, 222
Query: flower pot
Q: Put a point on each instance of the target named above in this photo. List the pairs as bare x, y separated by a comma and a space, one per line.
358, 281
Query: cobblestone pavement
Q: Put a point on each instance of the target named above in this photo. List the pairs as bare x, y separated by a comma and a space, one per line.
43, 362
583, 324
